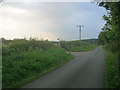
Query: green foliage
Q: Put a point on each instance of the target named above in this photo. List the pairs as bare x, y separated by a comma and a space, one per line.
24, 60
17, 46
112, 71
83, 48
91, 41
84, 45
109, 35
102, 38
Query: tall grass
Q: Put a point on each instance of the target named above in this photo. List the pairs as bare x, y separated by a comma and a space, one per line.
24, 61
112, 71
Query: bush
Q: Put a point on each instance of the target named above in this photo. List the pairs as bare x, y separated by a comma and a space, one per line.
18, 46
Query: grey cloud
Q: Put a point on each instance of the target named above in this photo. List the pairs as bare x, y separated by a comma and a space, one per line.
60, 19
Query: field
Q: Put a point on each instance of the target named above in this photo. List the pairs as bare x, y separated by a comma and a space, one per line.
25, 60
78, 46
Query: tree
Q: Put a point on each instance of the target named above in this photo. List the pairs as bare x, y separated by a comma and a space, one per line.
110, 34
111, 29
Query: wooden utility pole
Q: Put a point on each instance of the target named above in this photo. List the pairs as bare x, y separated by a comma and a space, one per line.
80, 30
59, 41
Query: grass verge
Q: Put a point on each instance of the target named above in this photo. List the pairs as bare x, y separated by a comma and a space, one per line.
21, 68
112, 72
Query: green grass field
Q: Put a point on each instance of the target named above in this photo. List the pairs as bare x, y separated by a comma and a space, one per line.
112, 72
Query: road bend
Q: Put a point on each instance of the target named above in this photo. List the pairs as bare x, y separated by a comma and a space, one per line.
86, 70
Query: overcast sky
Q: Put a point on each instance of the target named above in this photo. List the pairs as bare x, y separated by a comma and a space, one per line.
50, 20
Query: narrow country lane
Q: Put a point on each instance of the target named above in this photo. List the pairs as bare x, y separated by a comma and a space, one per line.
86, 70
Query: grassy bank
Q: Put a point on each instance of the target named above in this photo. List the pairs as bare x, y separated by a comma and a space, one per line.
77, 46
23, 61
112, 72
83, 48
